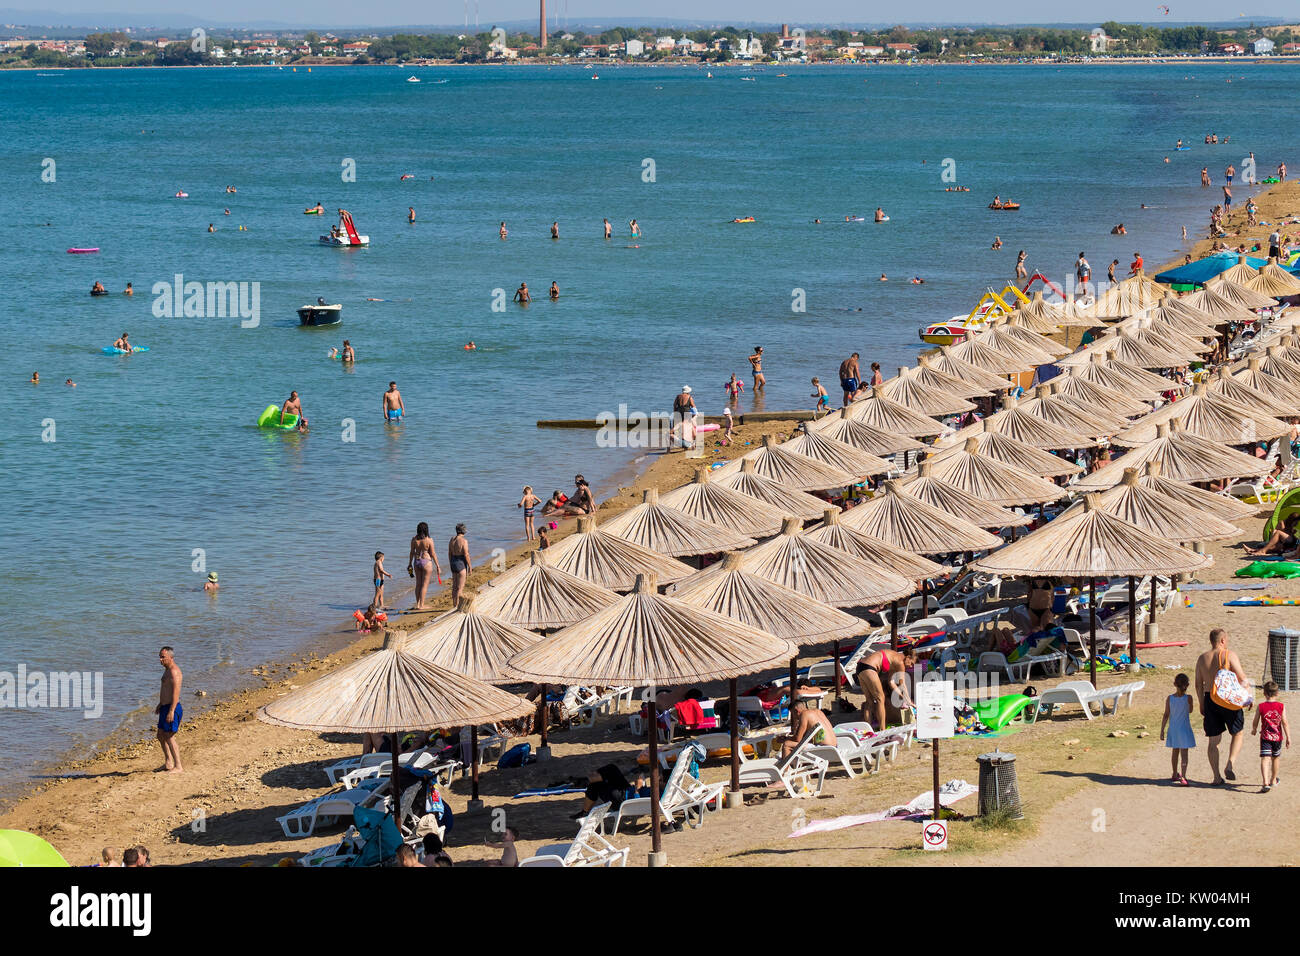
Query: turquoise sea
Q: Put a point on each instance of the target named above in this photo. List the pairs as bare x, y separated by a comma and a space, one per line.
156, 456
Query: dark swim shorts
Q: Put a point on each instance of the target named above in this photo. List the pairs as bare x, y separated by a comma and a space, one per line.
1218, 719
849, 384
174, 725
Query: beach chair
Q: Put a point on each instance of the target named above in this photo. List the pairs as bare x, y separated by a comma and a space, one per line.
421, 760
847, 750
887, 741
913, 606
1082, 693
327, 809
589, 847
682, 793
336, 771
801, 773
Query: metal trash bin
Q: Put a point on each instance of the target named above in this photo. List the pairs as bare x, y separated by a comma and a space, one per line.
1282, 658
999, 791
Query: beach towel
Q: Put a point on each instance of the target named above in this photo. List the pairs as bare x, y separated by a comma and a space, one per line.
548, 792
1225, 586
920, 807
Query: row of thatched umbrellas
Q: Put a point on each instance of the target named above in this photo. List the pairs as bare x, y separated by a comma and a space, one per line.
752, 610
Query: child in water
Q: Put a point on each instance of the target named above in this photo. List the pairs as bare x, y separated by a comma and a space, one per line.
379, 575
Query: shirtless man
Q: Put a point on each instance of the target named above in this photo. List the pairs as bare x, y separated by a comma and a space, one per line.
805, 719
122, 344
881, 670
756, 360
555, 230
609, 230
394, 407
522, 295
458, 558
1217, 719
169, 711
293, 406
850, 377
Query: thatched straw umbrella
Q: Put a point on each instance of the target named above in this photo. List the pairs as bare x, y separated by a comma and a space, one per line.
392, 690
1276, 364
907, 391
1156, 513
959, 503
1182, 457
749, 482
649, 639
1208, 416
1074, 385
975, 351
1086, 545
1005, 331
1234, 291
841, 427
790, 468
1016, 422
1126, 350
832, 531
472, 643
1274, 281
712, 502
1127, 380
1223, 307
1127, 297
727, 588
949, 364
928, 376
610, 561
1277, 389
1011, 452
1009, 342
992, 481
1190, 318
879, 412
1237, 392
537, 596
837, 454
1167, 337
1068, 414
672, 532
1197, 499
1241, 273
1037, 315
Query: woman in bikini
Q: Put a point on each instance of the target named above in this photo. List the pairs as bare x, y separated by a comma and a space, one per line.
878, 670
1039, 605
422, 562
529, 503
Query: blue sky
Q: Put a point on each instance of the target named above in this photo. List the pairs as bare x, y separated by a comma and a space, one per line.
348, 12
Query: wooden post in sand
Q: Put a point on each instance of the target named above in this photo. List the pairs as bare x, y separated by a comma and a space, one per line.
657, 855
734, 798
893, 625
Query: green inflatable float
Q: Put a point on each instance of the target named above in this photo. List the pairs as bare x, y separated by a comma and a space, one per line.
996, 712
1269, 569
1287, 505
271, 418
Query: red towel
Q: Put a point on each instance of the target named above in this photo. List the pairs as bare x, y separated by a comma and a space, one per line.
689, 713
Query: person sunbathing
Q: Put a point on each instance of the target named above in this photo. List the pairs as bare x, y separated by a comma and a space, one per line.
807, 718
608, 785
1281, 539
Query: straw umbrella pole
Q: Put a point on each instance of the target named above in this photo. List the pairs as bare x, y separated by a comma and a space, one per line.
649, 639
390, 691
1086, 544
476, 645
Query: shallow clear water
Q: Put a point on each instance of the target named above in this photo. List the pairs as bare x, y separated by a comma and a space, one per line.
157, 454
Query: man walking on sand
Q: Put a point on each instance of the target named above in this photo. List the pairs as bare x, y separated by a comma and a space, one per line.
1218, 718
458, 558
169, 711
850, 377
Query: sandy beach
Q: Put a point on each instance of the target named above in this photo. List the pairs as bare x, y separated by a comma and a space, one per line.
1090, 798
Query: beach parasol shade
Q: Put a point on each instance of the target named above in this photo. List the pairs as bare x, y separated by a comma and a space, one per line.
672, 532
1234, 291
1037, 315
392, 690
610, 561
1068, 414
1239, 393
991, 481
472, 643
20, 848
832, 531
949, 364
1274, 281
959, 503
1167, 337
1008, 342
649, 639
1279, 390
887, 415
748, 481
1157, 513
712, 502
1182, 457
1241, 273
1221, 506
1126, 297
1126, 350
822, 572
1188, 317
1011, 452
536, 596
837, 454
1208, 416
727, 588
790, 468
897, 518
1087, 544
1107, 400
927, 400
1275, 363
976, 352
1128, 380
929, 376
841, 427
1014, 422
1030, 339
1224, 308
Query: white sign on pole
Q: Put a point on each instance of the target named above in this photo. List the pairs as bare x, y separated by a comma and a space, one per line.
934, 709
934, 835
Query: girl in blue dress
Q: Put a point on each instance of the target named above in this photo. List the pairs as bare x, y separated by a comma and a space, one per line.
1178, 722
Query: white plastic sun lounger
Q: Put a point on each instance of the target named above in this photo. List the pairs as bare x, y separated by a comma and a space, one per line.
1082, 693
802, 774
588, 848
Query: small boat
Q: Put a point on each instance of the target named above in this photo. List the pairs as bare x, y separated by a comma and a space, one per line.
1013, 206
320, 314
345, 235
412, 79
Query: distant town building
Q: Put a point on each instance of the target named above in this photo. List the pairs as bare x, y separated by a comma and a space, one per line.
1262, 45
634, 48
1098, 42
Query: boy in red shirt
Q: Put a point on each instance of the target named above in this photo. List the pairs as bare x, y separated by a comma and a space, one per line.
1272, 715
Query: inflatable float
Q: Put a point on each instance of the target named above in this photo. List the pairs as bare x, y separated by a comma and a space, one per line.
181, 195
997, 712
1010, 206
75, 251
1262, 602
313, 212
114, 350
1269, 569
746, 219
271, 418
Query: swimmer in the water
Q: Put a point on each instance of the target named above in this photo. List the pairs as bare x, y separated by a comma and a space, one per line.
122, 344
97, 289
883, 277
555, 230
555, 291
917, 280
880, 215
70, 383
393, 406
609, 230
128, 290
817, 221
410, 214
211, 228
36, 378
636, 229
522, 295
470, 346
317, 208
502, 231
406, 176
997, 242
348, 354
227, 212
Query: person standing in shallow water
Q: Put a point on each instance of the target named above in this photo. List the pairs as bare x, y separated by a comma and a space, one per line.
458, 558
169, 711
422, 563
